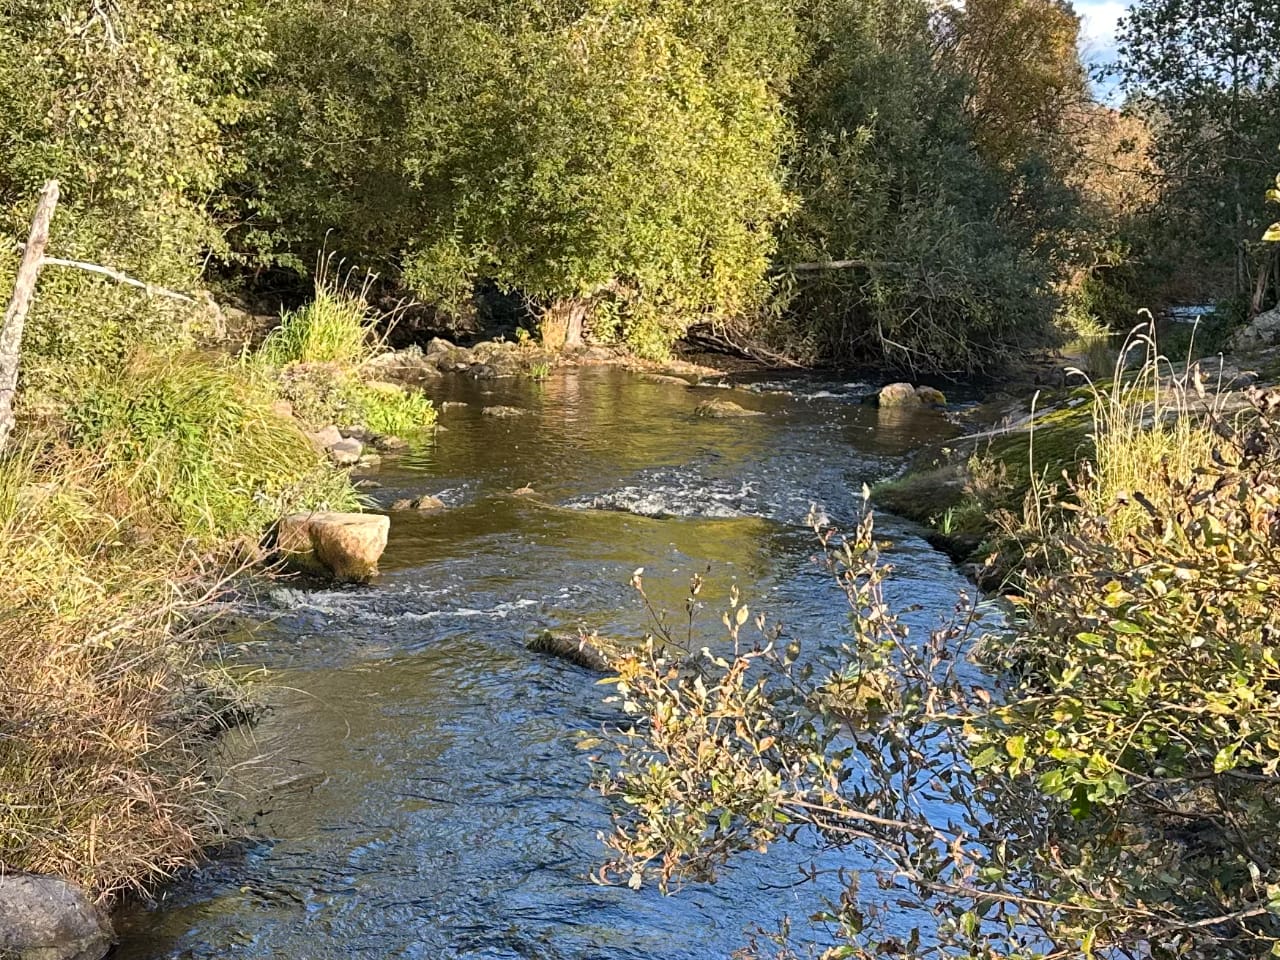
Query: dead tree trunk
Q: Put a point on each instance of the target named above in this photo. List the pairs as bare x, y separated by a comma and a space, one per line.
15, 315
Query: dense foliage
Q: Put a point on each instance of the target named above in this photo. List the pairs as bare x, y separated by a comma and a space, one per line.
1114, 796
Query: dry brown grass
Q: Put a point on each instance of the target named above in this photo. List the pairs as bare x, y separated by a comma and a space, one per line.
101, 722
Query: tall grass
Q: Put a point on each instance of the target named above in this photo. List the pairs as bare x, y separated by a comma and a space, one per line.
101, 705
202, 446
1152, 425
337, 326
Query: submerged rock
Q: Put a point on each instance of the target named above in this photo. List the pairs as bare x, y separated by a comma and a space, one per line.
46, 918
423, 503
502, 412
723, 410
344, 546
593, 652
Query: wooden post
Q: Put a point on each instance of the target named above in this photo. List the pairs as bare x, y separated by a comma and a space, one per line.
15, 315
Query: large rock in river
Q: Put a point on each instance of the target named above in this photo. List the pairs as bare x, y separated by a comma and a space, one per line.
906, 395
345, 546
45, 918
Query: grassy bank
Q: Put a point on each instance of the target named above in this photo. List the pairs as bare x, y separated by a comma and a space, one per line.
137, 487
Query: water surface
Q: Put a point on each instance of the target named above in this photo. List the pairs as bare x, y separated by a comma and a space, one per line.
416, 790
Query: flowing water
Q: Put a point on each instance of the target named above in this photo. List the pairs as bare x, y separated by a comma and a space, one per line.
416, 789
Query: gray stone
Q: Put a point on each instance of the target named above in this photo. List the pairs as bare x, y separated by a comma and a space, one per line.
439, 346
1262, 331
502, 412
326, 438
345, 546
346, 452
482, 371
45, 918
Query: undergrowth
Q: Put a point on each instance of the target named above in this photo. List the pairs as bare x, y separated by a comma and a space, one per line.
202, 446
102, 706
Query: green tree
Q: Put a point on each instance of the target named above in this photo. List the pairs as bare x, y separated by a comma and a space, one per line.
616, 162
1208, 75
1024, 74
126, 104
947, 257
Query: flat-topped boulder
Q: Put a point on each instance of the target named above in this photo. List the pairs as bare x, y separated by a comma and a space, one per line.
46, 918
344, 546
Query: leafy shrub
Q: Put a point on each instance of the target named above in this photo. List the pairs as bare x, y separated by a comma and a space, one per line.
202, 445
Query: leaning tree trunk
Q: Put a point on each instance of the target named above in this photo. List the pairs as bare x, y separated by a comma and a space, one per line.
15, 315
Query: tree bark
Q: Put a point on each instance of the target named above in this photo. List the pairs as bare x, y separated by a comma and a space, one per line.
15, 315
1260, 288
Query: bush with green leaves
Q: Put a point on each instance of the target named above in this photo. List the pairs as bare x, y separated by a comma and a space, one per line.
627, 151
1108, 787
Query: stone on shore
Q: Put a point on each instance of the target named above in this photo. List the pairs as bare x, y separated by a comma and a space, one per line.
346, 453
344, 546
322, 440
46, 918
723, 410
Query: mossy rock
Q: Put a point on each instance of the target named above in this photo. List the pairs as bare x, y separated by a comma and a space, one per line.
922, 496
723, 410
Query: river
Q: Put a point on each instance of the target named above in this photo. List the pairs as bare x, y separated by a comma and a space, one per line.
416, 789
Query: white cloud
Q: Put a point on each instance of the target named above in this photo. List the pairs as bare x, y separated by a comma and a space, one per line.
1098, 27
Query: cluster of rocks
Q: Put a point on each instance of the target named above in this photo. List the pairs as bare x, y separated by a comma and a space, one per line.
355, 446
1262, 331
489, 360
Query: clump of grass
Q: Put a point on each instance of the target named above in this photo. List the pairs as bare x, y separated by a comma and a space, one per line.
100, 712
202, 446
327, 393
1150, 426
388, 408
337, 326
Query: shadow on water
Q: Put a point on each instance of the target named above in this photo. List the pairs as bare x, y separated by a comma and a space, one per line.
417, 788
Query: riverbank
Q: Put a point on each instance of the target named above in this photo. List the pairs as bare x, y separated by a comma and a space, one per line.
1025, 444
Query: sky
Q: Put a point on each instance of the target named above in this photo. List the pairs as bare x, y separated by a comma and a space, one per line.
1097, 36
